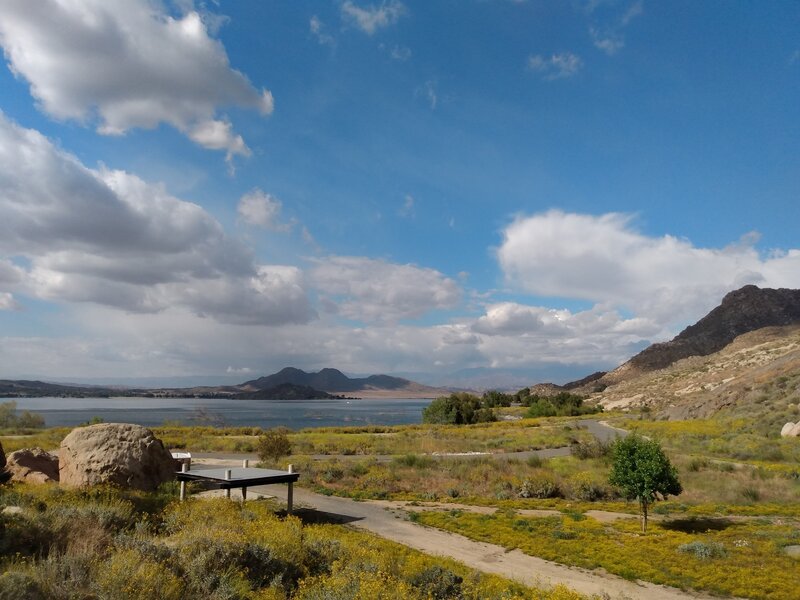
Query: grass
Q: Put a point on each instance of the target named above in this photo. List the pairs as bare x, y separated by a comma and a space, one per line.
501, 436
683, 553
105, 543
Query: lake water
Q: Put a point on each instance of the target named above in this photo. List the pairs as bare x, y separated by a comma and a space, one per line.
294, 414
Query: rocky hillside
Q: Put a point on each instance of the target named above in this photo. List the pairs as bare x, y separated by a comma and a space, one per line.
757, 375
747, 309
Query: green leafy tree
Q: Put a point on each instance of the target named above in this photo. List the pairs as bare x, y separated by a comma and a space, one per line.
457, 409
273, 444
642, 471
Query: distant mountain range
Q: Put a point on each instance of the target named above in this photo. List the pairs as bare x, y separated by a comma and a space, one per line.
287, 384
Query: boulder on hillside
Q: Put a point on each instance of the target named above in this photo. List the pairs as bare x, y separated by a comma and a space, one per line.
33, 465
5, 475
794, 431
119, 453
786, 429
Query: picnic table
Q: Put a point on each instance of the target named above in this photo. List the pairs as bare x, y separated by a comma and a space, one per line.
238, 477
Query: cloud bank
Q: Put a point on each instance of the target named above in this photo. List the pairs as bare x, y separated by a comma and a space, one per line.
104, 62
107, 237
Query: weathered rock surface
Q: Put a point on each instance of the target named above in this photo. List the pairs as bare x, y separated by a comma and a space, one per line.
33, 465
5, 475
119, 453
746, 309
794, 431
786, 429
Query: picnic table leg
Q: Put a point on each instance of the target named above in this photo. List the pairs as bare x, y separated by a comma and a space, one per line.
184, 468
290, 495
227, 476
244, 494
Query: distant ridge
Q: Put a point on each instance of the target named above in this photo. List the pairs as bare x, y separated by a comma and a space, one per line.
334, 381
330, 380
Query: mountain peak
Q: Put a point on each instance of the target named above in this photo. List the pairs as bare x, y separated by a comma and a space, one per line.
743, 310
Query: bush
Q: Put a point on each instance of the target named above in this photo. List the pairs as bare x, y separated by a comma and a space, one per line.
437, 583
15, 585
273, 444
593, 449
563, 404
704, 550
540, 486
583, 487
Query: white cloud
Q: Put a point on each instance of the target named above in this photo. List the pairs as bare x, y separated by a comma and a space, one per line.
370, 19
7, 301
128, 64
367, 289
558, 66
407, 210
607, 32
263, 210
318, 30
428, 92
604, 259
400, 53
110, 238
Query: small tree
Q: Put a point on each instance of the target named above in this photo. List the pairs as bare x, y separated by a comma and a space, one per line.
642, 471
273, 444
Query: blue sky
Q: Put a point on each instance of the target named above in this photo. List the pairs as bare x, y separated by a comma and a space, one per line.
413, 187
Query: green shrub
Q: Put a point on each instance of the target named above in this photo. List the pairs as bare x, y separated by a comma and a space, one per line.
538, 486
704, 550
437, 583
16, 585
273, 444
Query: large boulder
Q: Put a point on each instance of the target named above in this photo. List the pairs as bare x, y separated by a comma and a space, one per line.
791, 430
33, 465
5, 475
119, 453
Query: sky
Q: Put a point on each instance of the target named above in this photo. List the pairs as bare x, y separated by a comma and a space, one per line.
444, 189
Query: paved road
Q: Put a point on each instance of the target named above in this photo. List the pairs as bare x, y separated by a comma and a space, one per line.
599, 429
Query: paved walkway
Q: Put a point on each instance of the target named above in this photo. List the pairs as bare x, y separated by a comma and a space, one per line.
388, 522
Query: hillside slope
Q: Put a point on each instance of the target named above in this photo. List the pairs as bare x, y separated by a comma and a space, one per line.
747, 309
758, 374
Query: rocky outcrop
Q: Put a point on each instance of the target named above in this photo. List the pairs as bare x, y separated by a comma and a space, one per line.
33, 465
5, 474
741, 311
791, 430
118, 453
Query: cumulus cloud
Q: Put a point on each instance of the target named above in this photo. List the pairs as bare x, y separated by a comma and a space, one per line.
370, 19
558, 66
128, 64
367, 289
604, 259
263, 210
108, 237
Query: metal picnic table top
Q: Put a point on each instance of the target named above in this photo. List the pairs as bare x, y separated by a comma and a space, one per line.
239, 476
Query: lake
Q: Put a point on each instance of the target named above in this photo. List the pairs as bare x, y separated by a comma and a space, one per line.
294, 414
